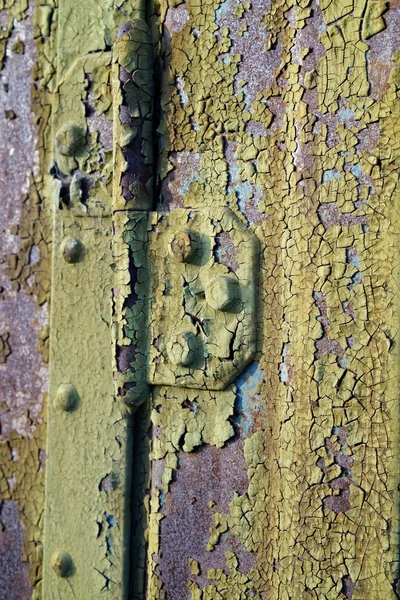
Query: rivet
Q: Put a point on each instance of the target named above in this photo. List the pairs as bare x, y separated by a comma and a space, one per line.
67, 398
62, 563
72, 250
183, 348
70, 139
184, 245
222, 292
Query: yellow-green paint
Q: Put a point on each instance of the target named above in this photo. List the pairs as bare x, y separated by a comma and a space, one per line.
89, 448
321, 509
188, 298
130, 322
328, 230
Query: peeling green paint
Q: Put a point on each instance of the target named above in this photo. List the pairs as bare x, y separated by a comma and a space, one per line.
320, 512
320, 509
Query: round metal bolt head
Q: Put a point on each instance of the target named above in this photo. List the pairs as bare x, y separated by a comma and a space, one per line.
222, 292
183, 245
62, 563
72, 250
70, 139
183, 349
67, 398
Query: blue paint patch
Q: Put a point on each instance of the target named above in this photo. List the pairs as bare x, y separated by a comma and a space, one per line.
356, 170
357, 277
247, 398
330, 175
223, 9
283, 373
352, 257
243, 191
233, 171
346, 114
184, 188
110, 520
247, 97
163, 500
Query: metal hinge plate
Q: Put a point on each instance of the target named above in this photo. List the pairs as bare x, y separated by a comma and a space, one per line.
202, 296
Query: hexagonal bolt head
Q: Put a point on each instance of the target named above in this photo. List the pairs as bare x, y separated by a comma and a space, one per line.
62, 563
184, 245
72, 250
183, 349
222, 292
67, 398
70, 139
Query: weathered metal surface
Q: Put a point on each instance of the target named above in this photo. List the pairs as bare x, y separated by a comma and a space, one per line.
89, 443
133, 194
288, 114
280, 111
23, 370
15, 582
89, 434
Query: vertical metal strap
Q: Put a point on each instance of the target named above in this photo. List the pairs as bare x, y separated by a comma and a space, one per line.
89, 441
89, 445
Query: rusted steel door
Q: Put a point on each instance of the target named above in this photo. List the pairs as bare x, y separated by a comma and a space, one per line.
285, 485
218, 183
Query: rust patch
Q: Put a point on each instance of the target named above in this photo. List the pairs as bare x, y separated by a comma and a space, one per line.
176, 184
14, 574
336, 447
176, 18
225, 252
204, 483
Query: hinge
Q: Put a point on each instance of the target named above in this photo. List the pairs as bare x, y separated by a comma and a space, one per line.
202, 290
185, 281
185, 300
176, 291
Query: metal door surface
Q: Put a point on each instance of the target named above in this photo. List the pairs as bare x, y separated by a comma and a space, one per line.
217, 183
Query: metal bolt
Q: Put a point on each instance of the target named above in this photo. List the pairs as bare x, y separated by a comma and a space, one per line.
222, 292
72, 250
184, 245
183, 349
70, 139
67, 398
62, 563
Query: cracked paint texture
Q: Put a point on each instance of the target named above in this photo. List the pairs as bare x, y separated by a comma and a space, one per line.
287, 114
44, 91
90, 447
305, 152
24, 291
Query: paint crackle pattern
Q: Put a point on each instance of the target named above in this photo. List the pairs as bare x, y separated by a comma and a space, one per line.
288, 115
305, 153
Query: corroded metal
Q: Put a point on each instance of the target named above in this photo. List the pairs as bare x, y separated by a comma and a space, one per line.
285, 484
